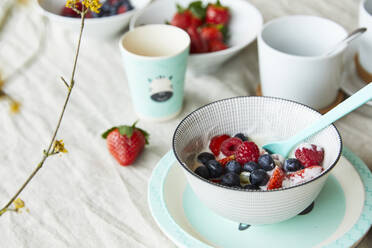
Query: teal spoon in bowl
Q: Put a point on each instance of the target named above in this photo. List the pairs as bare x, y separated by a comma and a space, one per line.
284, 147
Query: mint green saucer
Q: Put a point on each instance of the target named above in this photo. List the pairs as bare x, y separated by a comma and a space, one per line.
341, 216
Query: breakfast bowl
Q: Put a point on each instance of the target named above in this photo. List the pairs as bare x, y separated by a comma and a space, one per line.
263, 119
244, 26
103, 27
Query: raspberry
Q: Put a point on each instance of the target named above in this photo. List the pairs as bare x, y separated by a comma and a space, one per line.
247, 151
215, 144
229, 146
309, 154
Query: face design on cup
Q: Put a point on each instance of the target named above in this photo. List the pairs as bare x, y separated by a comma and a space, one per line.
161, 88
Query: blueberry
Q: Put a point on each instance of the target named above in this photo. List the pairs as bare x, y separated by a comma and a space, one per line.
105, 8
202, 171
259, 177
230, 179
292, 164
251, 186
241, 136
251, 166
266, 162
204, 157
233, 166
215, 168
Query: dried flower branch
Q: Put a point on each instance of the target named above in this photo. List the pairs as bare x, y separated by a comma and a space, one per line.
57, 146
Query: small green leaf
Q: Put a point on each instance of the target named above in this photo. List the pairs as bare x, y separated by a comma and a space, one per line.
197, 9
104, 135
180, 9
126, 130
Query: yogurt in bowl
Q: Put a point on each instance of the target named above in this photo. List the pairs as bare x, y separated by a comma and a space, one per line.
256, 117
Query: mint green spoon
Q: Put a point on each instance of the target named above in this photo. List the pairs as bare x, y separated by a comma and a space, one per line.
356, 100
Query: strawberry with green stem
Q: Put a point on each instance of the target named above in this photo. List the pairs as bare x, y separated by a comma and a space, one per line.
192, 16
125, 143
217, 14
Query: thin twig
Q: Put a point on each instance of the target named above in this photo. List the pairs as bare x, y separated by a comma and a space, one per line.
63, 80
47, 152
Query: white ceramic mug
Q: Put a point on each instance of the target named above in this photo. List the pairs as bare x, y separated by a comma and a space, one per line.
365, 40
292, 62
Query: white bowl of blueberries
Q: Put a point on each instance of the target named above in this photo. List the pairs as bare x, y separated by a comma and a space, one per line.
219, 148
113, 17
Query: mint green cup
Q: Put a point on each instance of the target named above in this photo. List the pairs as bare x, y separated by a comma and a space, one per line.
155, 60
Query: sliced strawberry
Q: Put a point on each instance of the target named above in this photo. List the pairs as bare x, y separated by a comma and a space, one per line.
229, 146
215, 144
302, 172
276, 179
309, 154
224, 161
247, 151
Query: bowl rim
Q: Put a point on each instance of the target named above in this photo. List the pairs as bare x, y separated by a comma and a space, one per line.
230, 49
251, 190
264, 43
55, 16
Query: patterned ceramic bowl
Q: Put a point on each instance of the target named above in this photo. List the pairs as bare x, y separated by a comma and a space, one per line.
265, 118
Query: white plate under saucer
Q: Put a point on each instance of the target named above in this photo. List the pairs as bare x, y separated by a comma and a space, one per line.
350, 81
341, 216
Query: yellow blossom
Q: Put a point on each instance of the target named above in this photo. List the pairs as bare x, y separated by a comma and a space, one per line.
92, 5
14, 107
18, 204
59, 146
72, 3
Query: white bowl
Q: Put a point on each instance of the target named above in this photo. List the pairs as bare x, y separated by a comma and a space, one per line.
245, 24
102, 27
271, 118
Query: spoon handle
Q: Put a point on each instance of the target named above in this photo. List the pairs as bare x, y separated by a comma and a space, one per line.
356, 100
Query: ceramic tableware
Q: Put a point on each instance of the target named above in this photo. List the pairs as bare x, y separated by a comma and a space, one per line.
99, 28
246, 22
291, 60
345, 42
284, 147
350, 81
267, 119
155, 60
345, 203
365, 43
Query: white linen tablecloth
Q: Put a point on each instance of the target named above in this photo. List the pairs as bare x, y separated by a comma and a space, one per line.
84, 198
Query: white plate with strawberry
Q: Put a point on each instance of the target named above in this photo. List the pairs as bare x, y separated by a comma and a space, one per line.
340, 217
206, 22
